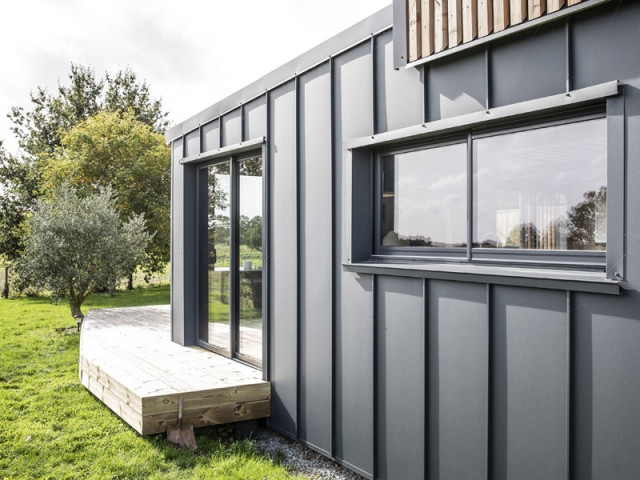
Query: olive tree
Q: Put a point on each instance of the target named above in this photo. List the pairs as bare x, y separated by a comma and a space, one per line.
76, 244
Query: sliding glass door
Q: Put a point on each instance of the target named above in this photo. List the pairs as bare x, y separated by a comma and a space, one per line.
230, 257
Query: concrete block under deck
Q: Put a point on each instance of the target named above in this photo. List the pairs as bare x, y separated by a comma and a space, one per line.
128, 361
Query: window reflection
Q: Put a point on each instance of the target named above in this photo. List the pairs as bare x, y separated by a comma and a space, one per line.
542, 189
216, 331
424, 198
250, 251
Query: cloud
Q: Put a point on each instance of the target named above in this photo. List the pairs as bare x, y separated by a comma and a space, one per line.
191, 54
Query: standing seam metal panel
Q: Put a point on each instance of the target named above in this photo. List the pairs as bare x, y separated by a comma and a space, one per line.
283, 262
353, 91
315, 257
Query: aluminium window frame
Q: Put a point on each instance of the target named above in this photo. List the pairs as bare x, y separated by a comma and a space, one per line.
359, 179
579, 259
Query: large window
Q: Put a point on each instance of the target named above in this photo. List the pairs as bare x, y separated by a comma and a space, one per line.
536, 193
230, 250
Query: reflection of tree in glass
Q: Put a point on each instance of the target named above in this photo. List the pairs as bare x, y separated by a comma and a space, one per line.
218, 198
524, 235
587, 221
218, 202
584, 228
251, 232
252, 167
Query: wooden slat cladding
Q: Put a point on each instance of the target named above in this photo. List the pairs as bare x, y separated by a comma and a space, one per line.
436, 25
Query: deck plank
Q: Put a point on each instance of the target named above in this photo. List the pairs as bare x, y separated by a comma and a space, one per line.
128, 361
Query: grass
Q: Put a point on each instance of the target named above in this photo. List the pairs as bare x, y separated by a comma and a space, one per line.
52, 428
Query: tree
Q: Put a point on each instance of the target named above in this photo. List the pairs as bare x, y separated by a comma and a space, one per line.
79, 243
115, 150
40, 129
17, 182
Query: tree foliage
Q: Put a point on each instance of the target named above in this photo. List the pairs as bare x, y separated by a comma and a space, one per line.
79, 243
39, 129
115, 150
18, 180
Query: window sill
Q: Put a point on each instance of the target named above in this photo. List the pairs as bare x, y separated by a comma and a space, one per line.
591, 282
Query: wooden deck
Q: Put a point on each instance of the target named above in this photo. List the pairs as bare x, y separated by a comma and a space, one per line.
128, 361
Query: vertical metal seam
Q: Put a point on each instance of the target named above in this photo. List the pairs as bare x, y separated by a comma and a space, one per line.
625, 182
568, 56
470, 167
571, 421
296, 87
490, 381
334, 272
243, 135
374, 400
220, 135
427, 377
425, 93
374, 81
487, 76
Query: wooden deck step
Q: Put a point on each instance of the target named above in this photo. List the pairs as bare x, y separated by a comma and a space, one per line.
128, 361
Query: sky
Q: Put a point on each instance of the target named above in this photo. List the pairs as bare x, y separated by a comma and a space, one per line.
191, 53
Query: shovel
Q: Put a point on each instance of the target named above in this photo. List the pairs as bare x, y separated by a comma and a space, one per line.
180, 435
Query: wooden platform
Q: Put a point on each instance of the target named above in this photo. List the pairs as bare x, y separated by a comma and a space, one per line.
128, 361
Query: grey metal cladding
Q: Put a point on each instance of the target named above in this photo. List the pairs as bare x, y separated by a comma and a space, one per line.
210, 136
533, 65
283, 261
353, 116
255, 118
315, 232
456, 86
192, 143
458, 374
607, 386
177, 149
605, 41
183, 253
232, 127
398, 93
400, 378
530, 375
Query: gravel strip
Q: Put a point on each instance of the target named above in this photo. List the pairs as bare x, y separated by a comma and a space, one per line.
297, 458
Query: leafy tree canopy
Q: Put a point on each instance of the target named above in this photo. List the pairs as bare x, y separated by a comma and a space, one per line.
39, 130
79, 243
115, 150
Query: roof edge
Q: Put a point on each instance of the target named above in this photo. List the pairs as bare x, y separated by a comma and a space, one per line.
381, 20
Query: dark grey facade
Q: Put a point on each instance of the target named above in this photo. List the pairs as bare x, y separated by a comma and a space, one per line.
423, 368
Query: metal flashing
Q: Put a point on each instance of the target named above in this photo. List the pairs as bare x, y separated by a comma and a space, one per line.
508, 112
592, 282
235, 149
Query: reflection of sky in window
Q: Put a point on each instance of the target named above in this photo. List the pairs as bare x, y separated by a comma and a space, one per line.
250, 196
431, 194
551, 166
250, 193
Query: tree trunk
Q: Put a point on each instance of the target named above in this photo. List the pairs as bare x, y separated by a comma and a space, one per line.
5, 290
130, 283
75, 308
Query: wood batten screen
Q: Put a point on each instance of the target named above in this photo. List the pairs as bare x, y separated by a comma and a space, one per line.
437, 25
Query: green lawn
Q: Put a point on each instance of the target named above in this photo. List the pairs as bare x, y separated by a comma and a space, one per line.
51, 427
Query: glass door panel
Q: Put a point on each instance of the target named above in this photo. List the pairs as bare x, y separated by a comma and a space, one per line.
218, 331
250, 259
